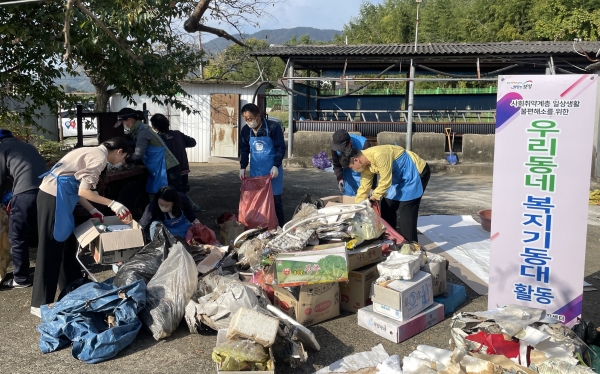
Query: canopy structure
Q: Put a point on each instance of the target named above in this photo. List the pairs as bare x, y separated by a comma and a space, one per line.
427, 62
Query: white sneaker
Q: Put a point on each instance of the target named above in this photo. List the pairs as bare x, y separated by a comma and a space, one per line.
36, 312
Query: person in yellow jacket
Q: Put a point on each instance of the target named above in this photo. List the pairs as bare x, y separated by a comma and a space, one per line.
403, 177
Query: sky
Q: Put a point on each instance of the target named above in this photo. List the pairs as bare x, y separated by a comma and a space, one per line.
320, 14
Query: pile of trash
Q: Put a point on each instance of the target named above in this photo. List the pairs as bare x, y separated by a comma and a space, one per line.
509, 340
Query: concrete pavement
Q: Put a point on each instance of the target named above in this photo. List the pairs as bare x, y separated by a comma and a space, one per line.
215, 187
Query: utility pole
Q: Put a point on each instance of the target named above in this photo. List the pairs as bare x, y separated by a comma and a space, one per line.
417, 25
201, 49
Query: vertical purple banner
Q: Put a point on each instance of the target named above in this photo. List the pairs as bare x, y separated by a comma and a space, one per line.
542, 169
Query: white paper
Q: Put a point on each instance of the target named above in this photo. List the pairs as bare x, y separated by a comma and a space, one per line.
357, 361
462, 238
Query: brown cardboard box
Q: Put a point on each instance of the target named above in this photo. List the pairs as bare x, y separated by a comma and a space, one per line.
229, 231
402, 299
356, 293
110, 247
315, 304
366, 255
334, 200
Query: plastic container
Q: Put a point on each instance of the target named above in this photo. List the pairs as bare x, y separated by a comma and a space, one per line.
486, 219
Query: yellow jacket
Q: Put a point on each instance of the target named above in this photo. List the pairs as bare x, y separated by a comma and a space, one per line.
382, 158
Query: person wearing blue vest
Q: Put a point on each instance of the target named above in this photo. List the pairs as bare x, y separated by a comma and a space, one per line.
171, 208
150, 149
68, 183
262, 145
403, 177
348, 180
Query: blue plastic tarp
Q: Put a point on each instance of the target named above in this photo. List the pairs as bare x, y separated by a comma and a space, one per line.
83, 316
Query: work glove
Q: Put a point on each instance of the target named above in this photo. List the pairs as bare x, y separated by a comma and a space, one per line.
341, 185
96, 214
242, 174
274, 172
120, 211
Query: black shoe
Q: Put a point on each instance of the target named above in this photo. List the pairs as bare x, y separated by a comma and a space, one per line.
10, 283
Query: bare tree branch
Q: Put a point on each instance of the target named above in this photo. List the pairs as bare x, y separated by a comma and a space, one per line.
193, 22
220, 33
107, 31
66, 30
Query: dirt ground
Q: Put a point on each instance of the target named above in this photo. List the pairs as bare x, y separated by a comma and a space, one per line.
215, 187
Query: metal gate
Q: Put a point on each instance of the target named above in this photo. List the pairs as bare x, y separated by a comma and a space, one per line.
224, 124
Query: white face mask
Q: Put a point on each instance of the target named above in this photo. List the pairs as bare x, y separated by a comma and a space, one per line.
126, 129
117, 165
252, 124
165, 209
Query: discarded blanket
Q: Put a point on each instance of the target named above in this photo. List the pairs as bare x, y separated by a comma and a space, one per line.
98, 318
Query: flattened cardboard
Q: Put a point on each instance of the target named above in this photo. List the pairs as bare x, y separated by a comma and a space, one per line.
397, 331
356, 294
110, 247
458, 269
222, 338
315, 304
407, 297
230, 230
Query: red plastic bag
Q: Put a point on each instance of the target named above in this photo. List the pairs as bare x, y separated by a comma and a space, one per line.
391, 232
200, 234
257, 206
496, 344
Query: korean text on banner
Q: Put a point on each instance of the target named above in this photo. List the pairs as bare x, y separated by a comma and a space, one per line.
542, 164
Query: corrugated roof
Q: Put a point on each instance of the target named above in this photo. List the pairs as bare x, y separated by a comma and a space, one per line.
432, 49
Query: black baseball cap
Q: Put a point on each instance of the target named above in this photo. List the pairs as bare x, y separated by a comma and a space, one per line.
125, 114
341, 138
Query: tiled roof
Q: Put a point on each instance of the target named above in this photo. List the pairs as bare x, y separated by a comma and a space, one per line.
432, 49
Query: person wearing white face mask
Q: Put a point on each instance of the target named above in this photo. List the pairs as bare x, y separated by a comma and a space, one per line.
70, 182
403, 177
263, 147
150, 149
171, 208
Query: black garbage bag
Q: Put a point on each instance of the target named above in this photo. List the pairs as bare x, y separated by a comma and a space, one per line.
310, 199
144, 264
586, 331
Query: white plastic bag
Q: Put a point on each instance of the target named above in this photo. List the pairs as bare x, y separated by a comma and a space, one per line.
399, 266
169, 291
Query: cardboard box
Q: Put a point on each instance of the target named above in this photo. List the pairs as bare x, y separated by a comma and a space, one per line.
110, 247
455, 295
397, 331
222, 338
230, 230
438, 271
315, 304
312, 267
366, 254
334, 200
407, 297
356, 293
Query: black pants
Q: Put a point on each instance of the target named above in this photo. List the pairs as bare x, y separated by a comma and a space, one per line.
21, 223
174, 178
56, 263
185, 182
408, 211
279, 210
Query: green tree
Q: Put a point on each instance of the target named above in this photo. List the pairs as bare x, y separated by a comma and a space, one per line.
236, 64
125, 46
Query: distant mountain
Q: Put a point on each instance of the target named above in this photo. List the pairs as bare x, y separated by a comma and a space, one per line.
277, 36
